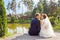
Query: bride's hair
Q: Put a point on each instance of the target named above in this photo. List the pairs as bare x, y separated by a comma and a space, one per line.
44, 16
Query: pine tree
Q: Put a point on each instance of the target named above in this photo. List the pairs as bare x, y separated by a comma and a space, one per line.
45, 6
40, 6
3, 19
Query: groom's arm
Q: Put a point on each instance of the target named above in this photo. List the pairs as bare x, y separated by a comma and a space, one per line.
40, 22
38, 26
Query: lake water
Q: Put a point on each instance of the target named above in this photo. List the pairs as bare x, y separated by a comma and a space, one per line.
18, 28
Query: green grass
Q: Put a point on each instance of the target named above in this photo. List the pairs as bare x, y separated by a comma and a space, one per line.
19, 21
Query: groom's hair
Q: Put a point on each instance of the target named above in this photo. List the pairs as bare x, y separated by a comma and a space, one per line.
37, 14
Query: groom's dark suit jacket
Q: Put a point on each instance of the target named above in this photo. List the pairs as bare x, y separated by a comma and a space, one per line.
35, 27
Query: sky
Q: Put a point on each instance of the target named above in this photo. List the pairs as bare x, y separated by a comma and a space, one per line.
18, 11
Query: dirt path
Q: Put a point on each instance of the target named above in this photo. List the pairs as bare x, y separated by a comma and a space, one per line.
27, 37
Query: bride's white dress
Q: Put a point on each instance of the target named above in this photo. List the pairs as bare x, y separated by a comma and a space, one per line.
46, 28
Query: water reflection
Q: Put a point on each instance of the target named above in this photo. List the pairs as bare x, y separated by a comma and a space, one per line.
18, 30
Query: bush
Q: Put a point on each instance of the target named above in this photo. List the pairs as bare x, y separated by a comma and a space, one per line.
52, 19
57, 27
3, 19
56, 23
12, 19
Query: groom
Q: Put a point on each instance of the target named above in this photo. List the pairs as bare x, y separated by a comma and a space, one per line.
35, 26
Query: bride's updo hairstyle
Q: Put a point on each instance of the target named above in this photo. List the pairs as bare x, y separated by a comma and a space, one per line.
44, 16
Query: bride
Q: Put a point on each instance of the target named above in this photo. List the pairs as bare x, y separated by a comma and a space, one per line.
46, 27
